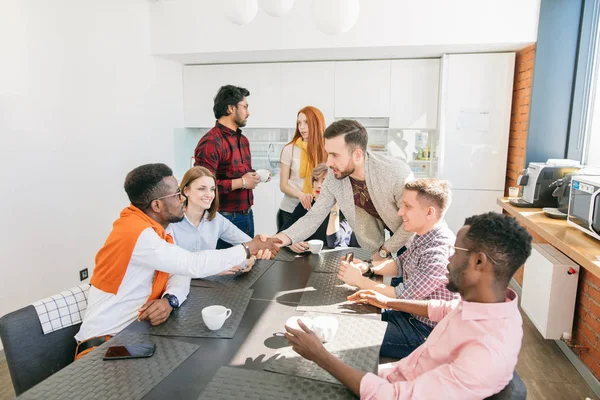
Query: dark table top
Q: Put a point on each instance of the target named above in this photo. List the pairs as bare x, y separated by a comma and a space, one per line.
259, 335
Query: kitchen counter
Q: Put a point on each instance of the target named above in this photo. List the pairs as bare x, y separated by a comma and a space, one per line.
578, 246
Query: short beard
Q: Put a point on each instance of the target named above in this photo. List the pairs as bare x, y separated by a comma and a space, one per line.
455, 278
240, 123
173, 219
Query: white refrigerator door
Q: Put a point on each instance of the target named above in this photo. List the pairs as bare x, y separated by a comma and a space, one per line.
466, 203
475, 119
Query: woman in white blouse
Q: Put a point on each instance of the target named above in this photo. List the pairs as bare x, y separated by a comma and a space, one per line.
202, 226
298, 158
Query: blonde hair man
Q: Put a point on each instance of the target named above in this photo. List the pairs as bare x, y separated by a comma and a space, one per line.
422, 267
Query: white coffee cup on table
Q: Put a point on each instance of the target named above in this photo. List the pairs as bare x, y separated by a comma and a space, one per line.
292, 322
325, 327
214, 316
264, 174
315, 246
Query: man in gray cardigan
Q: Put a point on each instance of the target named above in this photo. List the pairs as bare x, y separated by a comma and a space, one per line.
367, 187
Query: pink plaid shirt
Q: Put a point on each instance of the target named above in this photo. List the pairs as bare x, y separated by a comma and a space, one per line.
423, 267
470, 354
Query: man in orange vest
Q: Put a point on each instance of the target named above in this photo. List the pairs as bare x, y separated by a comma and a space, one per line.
139, 272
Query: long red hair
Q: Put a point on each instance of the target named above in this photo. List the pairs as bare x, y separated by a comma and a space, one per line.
316, 128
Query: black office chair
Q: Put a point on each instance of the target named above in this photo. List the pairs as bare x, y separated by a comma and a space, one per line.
515, 390
32, 356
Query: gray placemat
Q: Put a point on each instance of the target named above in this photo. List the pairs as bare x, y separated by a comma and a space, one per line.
93, 378
187, 319
238, 383
329, 261
325, 293
286, 254
356, 342
239, 281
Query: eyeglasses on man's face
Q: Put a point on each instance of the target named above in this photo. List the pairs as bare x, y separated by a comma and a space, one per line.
242, 105
452, 249
180, 196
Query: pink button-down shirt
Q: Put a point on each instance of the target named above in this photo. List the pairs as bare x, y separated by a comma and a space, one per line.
470, 354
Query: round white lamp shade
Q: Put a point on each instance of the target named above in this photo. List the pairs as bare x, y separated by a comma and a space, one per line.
335, 16
240, 12
277, 8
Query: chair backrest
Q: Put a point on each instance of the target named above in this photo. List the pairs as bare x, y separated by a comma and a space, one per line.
515, 390
32, 356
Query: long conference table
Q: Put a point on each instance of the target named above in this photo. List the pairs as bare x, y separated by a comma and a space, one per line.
258, 338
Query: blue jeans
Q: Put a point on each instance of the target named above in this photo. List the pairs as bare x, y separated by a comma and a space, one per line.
244, 222
403, 335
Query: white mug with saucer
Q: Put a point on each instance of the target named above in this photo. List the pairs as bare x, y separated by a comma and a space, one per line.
214, 316
325, 327
315, 246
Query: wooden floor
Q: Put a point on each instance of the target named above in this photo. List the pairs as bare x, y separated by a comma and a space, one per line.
546, 371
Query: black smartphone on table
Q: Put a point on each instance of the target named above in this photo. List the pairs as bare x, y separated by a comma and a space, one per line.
127, 351
350, 257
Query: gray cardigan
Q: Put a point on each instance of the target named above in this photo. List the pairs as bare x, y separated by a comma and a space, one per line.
385, 177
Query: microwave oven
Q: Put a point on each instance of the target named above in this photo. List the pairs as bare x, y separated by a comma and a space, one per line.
584, 204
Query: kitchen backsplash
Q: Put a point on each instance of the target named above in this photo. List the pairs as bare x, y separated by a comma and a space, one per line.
419, 148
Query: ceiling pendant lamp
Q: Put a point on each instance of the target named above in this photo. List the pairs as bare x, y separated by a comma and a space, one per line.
277, 8
335, 16
240, 12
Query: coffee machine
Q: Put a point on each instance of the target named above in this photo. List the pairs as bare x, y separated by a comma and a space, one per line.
539, 181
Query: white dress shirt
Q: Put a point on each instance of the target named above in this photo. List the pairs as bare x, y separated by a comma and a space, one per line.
108, 314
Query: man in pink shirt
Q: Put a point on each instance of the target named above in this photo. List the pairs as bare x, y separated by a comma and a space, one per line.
473, 350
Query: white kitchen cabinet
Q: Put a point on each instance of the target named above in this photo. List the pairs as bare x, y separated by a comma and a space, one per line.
474, 124
414, 93
201, 83
307, 84
266, 204
466, 203
362, 89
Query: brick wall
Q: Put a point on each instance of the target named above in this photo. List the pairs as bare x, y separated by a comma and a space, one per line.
519, 121
586, 325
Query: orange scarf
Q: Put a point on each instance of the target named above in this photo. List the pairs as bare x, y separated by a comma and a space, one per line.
113, 258
305, 167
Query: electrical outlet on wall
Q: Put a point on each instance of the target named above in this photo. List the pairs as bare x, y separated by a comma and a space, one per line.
83, 274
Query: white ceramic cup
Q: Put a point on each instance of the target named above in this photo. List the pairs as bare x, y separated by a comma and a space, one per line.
264, 174
214, 316
325, 327
292, 322
513, 192
315, 246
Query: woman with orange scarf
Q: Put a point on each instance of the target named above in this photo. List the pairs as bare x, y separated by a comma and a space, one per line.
298, 158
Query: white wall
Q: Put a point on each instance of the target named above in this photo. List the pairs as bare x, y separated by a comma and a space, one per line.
200, 27
81, 103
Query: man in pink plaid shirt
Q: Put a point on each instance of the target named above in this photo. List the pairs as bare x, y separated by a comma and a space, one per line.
422, 267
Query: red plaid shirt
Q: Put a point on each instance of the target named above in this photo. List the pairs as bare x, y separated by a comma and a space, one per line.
226, 153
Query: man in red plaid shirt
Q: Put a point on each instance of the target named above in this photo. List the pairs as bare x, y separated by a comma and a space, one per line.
226, 153
422, 267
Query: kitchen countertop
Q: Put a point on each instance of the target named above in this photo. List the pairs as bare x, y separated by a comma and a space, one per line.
581, 248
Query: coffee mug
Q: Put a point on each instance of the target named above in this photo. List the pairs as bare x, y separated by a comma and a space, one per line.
264, 174
292, 322
325, 327
315, 246
214, 316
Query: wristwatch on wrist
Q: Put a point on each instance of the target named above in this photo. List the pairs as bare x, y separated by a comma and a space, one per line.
248, 253
173, 300
384, 253
370, 272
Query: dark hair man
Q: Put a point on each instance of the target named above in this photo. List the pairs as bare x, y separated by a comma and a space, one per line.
225, 151
139, 272
473, 350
